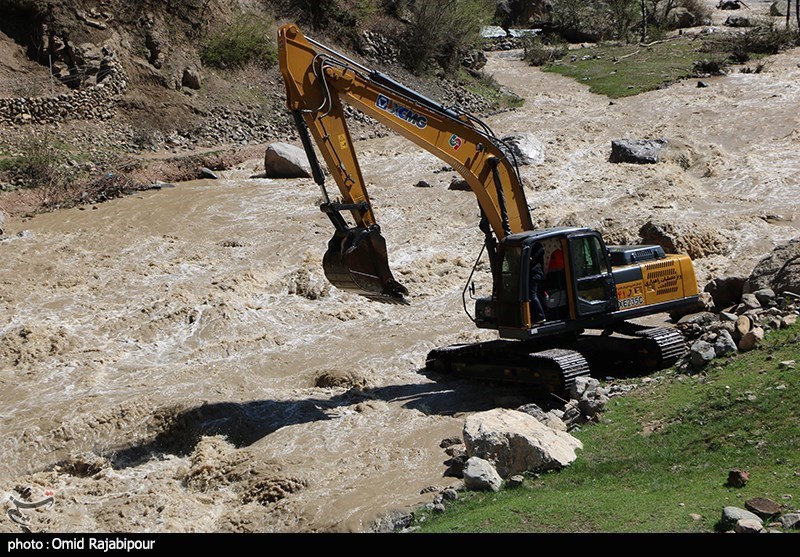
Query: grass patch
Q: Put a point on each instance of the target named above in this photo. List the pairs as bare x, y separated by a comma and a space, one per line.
661, 454
41, 164
621, 71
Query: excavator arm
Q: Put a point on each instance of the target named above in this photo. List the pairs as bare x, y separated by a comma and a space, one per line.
319, 81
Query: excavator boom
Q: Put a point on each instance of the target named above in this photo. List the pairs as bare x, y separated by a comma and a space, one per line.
319, 81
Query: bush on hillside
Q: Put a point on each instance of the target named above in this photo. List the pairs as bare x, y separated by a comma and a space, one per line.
244, 42
543, 51
440, 32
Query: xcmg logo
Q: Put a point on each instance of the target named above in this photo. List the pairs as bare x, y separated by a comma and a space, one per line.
400, 111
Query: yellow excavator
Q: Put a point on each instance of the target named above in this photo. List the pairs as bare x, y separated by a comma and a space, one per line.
561, 299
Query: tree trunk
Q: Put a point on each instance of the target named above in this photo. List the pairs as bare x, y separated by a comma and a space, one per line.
644, 20
797, 14
788, 11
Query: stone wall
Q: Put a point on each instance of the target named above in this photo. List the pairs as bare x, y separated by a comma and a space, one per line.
95, 102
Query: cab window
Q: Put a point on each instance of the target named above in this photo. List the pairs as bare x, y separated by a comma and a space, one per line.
588, 257
589, 265
510, 273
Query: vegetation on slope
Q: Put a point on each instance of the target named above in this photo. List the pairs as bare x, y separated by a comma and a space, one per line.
659, 459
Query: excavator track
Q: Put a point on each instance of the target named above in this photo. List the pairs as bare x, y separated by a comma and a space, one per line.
553, 370
638, 347
666, 346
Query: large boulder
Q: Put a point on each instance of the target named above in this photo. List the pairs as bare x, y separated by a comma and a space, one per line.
525, 148
766, 509
680, 18
191, 78
729, 5
459, 184
638, 151
726, 291
516, 442
283, 160
752, 339
700, 354
732, 515
724, 343
780, 270
480, 475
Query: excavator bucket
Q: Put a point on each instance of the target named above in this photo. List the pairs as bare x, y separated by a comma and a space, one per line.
356, 261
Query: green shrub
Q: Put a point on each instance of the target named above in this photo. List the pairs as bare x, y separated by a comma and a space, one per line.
41, 162
246, 41
42, 166
442, 31
7, 163
762, 38
541, 52
342, 19
487, 87
739, 48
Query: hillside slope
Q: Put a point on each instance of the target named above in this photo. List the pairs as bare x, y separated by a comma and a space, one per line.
175, 113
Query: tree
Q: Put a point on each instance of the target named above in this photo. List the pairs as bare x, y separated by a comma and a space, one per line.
443, 30
622, 14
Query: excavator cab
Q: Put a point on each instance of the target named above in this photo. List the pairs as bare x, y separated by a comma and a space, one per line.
577, 284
